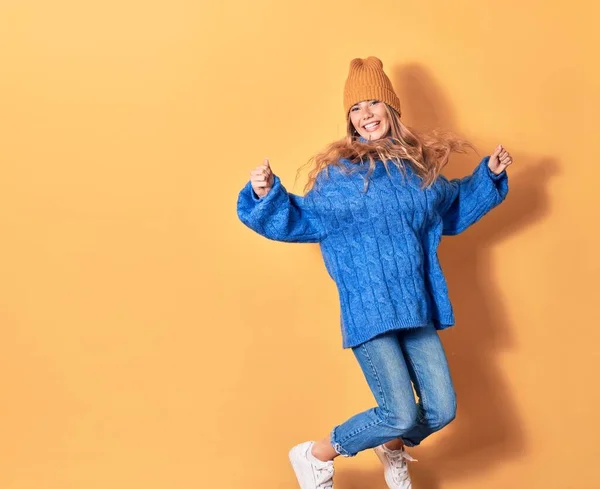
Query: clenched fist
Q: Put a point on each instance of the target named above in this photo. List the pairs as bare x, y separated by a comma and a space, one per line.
262, 179
499, 160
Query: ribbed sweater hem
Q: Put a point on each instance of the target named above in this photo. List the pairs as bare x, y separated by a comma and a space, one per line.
380, 327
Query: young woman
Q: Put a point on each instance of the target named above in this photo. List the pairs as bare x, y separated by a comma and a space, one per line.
378, 206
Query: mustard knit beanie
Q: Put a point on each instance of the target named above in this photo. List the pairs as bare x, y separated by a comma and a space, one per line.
367, 81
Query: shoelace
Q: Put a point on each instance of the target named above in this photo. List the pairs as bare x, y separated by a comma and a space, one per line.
398, 461
324, 476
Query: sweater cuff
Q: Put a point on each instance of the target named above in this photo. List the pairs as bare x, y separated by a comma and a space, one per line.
497, 184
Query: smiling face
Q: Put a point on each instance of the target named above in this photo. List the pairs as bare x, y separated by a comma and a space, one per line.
370, 119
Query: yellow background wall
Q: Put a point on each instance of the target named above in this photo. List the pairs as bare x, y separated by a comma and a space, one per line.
150, 340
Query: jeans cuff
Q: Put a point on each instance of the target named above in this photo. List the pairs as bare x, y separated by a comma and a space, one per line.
337, 447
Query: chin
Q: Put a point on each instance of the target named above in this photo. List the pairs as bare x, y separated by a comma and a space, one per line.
375, 137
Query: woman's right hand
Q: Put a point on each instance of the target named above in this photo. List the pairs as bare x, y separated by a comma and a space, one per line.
262, 179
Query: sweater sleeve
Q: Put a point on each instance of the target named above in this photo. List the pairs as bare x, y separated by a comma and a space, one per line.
468, 199
279, 215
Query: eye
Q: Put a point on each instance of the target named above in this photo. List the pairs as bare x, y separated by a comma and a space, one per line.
354, 109
374, 102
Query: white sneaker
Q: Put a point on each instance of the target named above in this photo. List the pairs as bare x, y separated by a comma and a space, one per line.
395, 467
311, 472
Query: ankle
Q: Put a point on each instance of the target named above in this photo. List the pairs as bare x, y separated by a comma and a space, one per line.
394, 445
322, 451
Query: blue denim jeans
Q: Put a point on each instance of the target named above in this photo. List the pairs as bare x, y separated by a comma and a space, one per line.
392, 364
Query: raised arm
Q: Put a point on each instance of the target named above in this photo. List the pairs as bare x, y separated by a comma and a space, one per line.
468, 199
279, 215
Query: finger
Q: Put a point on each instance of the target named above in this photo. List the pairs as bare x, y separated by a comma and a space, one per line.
262, 168
497, 151
266, 163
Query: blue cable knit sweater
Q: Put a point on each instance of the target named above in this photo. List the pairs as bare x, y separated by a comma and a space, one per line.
379, 246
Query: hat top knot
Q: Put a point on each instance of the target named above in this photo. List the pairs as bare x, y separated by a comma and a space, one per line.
370, 62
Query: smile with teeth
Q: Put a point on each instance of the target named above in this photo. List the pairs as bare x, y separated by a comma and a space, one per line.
371, 126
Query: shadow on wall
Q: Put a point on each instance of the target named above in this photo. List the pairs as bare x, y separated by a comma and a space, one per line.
487, 431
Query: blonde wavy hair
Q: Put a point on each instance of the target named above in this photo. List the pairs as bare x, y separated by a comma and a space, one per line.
427, 154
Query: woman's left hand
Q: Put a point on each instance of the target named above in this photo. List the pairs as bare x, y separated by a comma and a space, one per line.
499, 160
